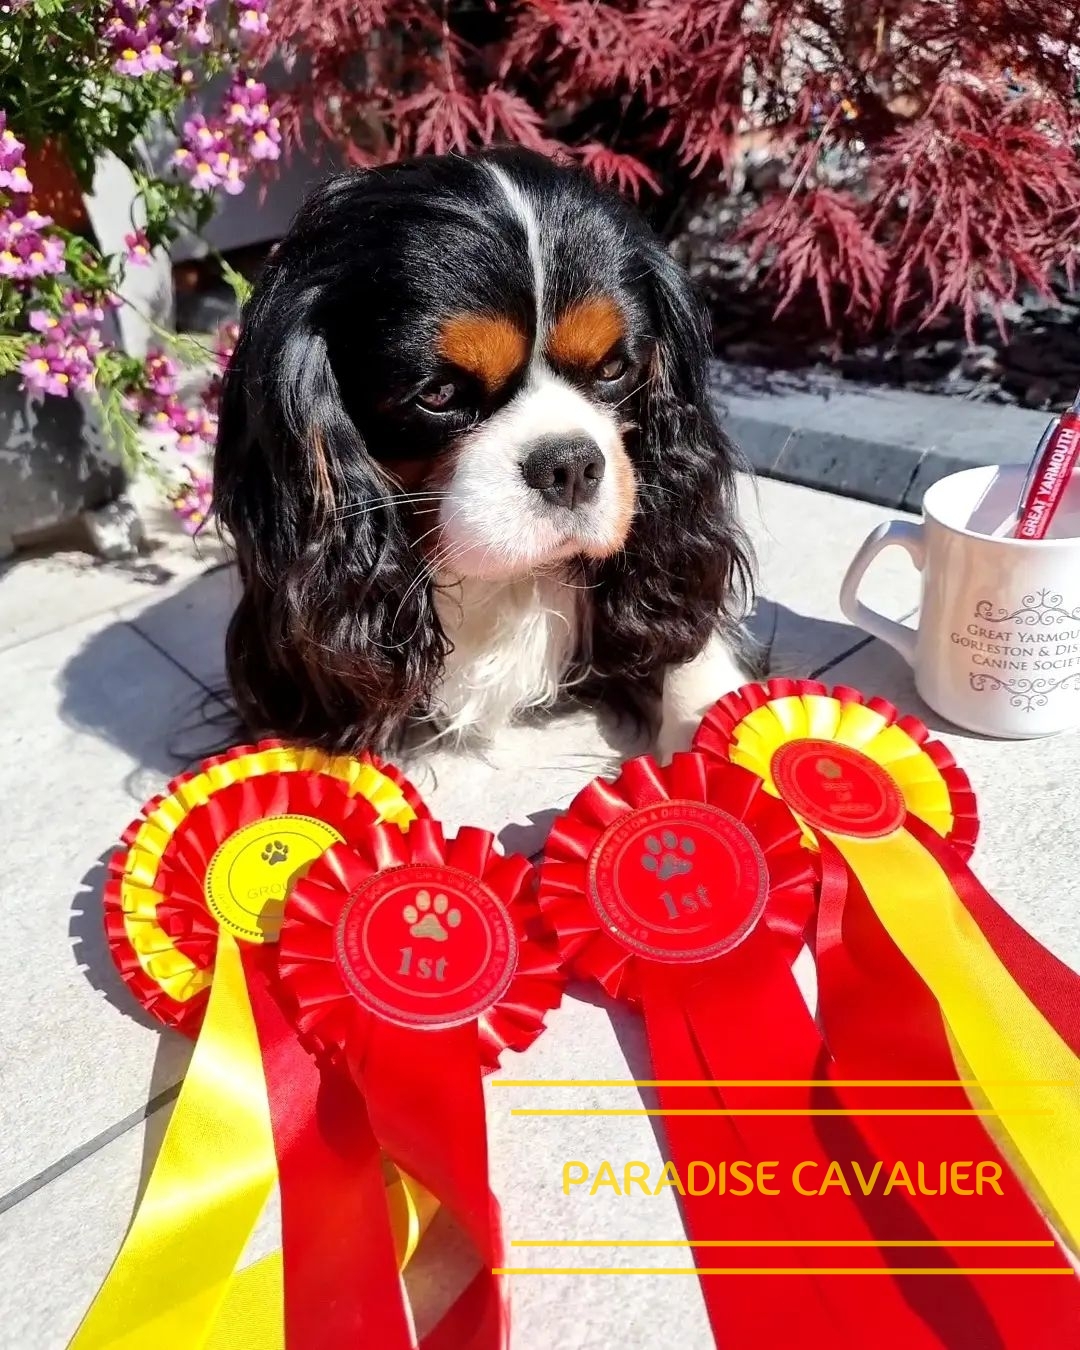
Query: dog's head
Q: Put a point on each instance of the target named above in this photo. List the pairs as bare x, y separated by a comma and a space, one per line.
458, 368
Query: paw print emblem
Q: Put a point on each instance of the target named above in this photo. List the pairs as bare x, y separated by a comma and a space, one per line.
663, 857
274, 853
431, 916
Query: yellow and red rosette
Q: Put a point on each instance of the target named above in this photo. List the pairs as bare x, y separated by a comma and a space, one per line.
685, 890
895, 820
329, 790
748, 726
416, 961
191, 914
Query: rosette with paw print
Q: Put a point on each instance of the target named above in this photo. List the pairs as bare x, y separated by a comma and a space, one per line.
416, 960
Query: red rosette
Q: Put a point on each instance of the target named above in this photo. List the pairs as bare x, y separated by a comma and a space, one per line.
587, 941
336, 1016
416, 961
750, 725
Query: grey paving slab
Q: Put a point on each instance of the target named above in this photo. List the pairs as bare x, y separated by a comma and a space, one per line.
189, 623
61, 1240
89, 722
804, 541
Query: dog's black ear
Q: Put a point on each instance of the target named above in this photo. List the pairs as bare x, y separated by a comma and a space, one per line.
335, 640
687, 569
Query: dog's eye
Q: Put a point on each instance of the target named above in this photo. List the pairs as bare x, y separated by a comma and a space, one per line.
438, 397
614, 368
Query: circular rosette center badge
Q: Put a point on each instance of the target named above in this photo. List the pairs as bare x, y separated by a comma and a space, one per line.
834, 787
679, 881
426, 946
254, 870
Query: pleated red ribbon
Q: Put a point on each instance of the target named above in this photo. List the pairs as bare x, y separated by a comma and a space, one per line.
686, 891
416, 961
883, 1025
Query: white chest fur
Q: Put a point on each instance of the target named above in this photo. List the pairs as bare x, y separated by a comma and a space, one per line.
513, 641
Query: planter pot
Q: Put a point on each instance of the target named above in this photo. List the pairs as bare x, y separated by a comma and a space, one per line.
57, 479
56, 189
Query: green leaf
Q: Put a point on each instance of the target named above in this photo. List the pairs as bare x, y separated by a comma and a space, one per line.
12, 350
241, 287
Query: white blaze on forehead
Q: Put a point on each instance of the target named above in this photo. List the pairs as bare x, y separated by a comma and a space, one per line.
526, 216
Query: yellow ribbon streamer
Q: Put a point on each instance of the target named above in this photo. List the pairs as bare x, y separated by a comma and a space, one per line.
209, 1185
1027, 1073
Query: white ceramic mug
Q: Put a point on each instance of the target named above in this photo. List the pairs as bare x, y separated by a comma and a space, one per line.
997, 647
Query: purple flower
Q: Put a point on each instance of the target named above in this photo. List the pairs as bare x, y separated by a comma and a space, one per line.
161, 374
266, 141
253, 18
192, 501
137, 249
41, 321
13, 177
39, 374
39, 257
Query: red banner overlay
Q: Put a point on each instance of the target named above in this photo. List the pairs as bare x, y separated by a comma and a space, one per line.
854, 770
416, 961
687, 891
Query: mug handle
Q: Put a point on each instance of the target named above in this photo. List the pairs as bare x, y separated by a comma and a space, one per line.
908, 536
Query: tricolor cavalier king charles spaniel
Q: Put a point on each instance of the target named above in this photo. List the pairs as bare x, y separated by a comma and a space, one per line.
469, 465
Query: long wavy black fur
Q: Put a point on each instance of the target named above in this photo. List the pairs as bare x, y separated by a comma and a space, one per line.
336, 641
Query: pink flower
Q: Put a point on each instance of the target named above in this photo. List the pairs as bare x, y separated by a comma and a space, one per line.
43, 322
41, 257
83, 311
41, 376
137, 249
266, 141
13, 177
161, 374
193, 501
253, 18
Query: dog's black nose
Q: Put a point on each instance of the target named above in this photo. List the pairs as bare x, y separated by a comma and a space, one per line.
566, 470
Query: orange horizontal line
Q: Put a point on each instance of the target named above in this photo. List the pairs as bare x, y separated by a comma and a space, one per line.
761, 1111
777, 1082
781, 1270
775, 1242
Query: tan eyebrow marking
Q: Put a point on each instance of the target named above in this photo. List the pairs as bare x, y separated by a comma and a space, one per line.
586, 332
488, 346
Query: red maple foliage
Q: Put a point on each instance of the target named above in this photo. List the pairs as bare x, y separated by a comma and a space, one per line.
922, 153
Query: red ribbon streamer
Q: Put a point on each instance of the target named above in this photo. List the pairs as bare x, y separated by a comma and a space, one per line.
415, 961
735, 1016
883, 1024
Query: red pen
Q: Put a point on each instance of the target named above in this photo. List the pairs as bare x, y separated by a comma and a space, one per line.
1055, 459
